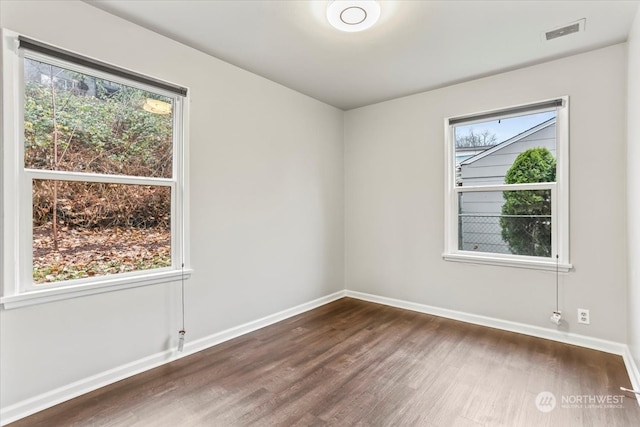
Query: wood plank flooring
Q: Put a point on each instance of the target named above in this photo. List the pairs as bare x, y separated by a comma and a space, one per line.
354, 363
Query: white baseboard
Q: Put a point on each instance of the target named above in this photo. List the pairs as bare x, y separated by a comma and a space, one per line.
220, 337
536, 331
46, 400
632, 370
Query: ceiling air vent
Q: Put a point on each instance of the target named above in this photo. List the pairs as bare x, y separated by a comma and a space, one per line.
573, 28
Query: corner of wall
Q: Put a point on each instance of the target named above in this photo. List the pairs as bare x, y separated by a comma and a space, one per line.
633, 188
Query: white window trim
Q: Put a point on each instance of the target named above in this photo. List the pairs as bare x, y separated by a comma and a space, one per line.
112, 283
15, 224
560, 205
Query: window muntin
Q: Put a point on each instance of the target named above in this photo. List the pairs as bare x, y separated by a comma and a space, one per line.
506, 186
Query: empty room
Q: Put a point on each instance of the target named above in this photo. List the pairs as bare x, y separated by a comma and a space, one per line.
271, 212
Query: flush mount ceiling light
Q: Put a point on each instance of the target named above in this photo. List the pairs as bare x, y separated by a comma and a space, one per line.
353, 15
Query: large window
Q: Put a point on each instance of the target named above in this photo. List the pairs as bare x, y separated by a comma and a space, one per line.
94, 188
507, 187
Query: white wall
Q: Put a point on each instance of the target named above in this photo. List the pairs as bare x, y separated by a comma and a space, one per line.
633, 187
394, 192
266, 173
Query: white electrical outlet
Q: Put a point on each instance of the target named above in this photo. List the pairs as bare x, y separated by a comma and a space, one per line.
583, 316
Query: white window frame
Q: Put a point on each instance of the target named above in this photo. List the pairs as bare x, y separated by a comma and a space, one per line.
16, 251
559, 193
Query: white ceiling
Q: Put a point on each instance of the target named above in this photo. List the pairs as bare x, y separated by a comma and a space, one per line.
416, 46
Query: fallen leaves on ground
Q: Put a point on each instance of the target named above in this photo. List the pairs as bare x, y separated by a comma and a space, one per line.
98, 252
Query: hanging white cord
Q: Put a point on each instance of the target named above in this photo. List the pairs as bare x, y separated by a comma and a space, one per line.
555, 200
182, 331
556, 316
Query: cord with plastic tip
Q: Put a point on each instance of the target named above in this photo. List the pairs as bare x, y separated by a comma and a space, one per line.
181, 340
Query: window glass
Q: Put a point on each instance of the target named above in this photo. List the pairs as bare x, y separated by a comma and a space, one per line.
99, 229
505, 222
485, 151
80, 123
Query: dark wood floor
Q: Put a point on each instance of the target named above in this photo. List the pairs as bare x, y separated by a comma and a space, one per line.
357, 363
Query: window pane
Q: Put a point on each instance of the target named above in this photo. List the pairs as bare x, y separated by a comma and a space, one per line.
505, 222
77, 122
508, 151
100, 229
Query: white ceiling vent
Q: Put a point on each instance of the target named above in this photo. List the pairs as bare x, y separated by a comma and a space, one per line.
575, 27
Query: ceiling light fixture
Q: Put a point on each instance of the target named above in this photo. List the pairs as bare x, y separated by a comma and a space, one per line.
353, 15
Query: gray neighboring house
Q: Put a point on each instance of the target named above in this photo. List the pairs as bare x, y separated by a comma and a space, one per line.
479, 227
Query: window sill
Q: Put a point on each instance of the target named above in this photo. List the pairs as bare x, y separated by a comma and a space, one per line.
74, 291
533, 264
